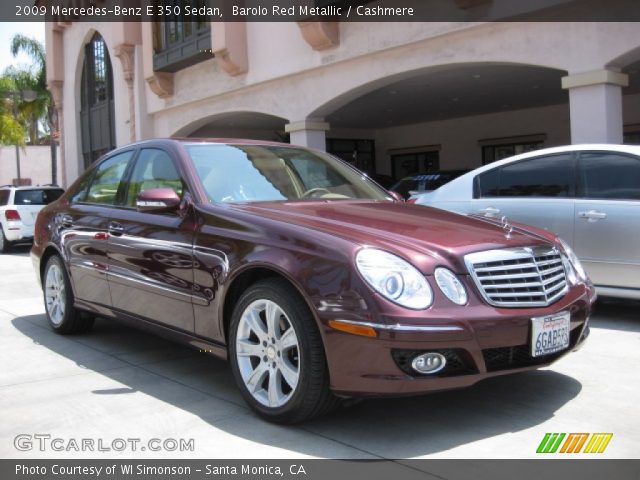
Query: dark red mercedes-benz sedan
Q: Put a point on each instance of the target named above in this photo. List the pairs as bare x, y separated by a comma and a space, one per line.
316, 283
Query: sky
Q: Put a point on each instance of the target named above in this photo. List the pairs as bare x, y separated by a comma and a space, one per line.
7, 31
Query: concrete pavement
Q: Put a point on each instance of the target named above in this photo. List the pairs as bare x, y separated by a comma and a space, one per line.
118, 383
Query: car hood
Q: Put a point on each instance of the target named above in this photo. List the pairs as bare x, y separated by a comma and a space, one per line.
403, 228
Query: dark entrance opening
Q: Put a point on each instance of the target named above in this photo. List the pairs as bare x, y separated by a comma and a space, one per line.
359, 153
97, 111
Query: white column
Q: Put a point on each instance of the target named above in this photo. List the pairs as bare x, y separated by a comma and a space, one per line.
595, 102
308, 133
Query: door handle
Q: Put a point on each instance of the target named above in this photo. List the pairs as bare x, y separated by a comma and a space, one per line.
592, 215
66, 220
116, 228
489, 211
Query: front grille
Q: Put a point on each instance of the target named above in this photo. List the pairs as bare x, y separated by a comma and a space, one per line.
519, 277
508, 358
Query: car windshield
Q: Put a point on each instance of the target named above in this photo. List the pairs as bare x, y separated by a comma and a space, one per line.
37, 196
258, 173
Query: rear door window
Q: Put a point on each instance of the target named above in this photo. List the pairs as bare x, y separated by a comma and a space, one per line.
4, 197
610, 176
81, 190
489, 183
52, 194
542, 177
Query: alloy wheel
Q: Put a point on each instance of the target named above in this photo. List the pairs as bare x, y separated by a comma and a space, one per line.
268, 353
55, 295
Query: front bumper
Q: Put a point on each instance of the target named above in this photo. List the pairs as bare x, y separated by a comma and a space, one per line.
486, 342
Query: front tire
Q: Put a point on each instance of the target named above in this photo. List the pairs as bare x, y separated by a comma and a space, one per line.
62, 316
277, 356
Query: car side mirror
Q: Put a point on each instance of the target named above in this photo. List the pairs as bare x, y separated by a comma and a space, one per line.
158, 200
396, 196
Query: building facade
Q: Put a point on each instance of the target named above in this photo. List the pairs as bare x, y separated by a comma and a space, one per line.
35, 165
392, 98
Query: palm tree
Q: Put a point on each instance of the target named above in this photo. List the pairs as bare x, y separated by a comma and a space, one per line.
39, 112
35, 113
11, 131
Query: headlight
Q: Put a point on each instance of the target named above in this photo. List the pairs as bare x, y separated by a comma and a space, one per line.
574, 261
394, 278
451, 286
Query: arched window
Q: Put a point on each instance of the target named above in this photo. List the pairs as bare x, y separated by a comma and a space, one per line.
97, 112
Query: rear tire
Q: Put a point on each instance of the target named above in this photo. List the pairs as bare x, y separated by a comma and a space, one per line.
277, 356
5, 244
62, 316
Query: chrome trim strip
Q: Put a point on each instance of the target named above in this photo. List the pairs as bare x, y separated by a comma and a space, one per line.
195, 298
147, 283
397, 327
198, 299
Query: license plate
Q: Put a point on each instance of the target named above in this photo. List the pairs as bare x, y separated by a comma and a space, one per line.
550, 334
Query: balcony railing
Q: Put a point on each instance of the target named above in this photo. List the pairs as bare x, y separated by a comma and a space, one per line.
181, 41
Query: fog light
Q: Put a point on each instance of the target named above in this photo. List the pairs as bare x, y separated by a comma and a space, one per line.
431, 362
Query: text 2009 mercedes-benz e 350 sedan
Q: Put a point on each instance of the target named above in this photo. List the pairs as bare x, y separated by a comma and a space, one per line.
311, 279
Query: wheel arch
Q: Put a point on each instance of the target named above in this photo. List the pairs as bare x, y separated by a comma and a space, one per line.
248, 277
47, 253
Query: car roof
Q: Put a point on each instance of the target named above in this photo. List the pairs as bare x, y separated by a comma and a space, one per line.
30, 187
634, 149
435, 173
165, 141
458, 187
220, 141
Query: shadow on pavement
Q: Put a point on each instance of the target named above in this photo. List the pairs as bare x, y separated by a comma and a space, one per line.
392, 428
22, 250
617, 314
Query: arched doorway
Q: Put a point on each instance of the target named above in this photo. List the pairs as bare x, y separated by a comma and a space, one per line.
447, 117
97, 112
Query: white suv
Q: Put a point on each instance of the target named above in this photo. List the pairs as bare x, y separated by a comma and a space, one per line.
19, 207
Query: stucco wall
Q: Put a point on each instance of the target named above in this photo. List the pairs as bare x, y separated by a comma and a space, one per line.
35, 163
458, 138
288, 79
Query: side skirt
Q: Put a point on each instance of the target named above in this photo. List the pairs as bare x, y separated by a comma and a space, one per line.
180, 336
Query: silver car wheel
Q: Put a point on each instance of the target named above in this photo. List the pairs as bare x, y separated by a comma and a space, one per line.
55, 295
268, 353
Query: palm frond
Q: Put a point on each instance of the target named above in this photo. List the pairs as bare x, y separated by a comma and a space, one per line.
35, 51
